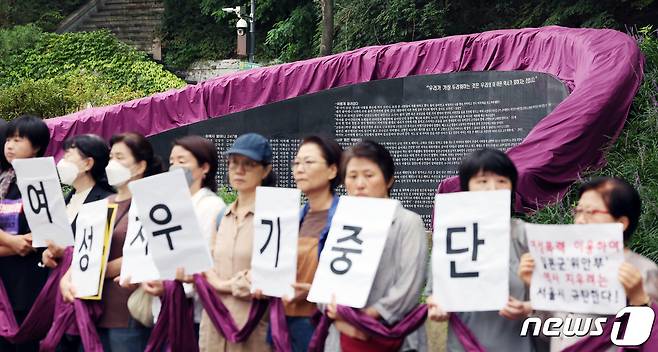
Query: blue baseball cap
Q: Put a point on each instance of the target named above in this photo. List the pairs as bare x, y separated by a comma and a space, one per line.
253, 146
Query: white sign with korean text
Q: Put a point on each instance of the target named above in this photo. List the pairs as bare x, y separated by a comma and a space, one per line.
167, 213
91, 249
43, 201
576, 267
137, 264
276, 230
351, 254
470, 252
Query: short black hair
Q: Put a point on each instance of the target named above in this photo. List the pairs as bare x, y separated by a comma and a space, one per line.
32, 128
374, 152
92, 146
620, 198
487, 160
332, 153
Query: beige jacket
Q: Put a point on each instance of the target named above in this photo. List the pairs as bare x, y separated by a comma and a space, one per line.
231, 249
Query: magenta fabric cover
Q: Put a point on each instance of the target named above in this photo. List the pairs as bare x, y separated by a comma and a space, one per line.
373, 327
38, 321
603, 69
74, 319
221, 317
465, 335
174, 330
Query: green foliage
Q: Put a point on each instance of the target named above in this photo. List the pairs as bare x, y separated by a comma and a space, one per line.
287, 42
362, 23
189, 34
228, 196
51, 97
48, 75
45, 14
634, 157
52, 55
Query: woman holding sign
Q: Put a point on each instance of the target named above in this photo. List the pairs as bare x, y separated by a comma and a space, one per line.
368, 171
131, 158
488, 170
316, 169
83, 169
26, 137
197, 157
608, 200
249, 166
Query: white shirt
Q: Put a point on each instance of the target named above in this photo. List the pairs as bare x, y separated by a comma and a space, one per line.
75, 204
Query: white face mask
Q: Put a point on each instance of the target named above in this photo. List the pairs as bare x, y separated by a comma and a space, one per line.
117, 174
68, 172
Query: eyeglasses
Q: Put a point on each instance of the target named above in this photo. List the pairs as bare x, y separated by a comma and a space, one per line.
247, 165
295, 164
587, 213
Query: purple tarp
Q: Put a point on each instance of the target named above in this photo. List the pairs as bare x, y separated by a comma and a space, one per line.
602, 67
38, 321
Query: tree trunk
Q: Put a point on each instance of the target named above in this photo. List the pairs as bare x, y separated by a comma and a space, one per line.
326, 42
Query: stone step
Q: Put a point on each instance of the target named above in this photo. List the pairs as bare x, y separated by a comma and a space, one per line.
150, 2
130, 9
148, 21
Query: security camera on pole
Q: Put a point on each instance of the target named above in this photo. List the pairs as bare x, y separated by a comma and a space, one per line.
245, 47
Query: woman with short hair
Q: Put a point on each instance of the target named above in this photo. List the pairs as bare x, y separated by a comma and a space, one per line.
368, 171
608, 200
249, 166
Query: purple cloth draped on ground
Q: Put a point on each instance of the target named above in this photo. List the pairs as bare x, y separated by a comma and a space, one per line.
221, 317
175, 326
279, 326
602, 67
602, 342
369, 325
465, 336
73, 319
38, 321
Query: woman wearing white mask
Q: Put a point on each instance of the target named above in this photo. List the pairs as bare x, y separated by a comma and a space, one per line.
197, 157
131, 158
83, 169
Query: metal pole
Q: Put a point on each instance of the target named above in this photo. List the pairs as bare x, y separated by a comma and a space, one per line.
252, 31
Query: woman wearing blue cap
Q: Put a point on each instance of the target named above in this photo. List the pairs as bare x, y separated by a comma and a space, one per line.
249, 166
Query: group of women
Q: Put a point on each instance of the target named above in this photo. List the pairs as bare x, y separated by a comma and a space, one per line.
96, 170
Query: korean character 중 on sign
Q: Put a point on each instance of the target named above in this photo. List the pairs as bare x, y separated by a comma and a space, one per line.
351, 254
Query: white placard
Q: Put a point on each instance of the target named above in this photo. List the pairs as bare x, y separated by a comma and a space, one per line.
166, 211
470, 252
43, 201
137, 264
91, 249
576, 267
351, 254
276, 230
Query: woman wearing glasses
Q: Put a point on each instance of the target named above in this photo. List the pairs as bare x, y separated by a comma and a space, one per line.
249, 166
609, 200
316, 169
